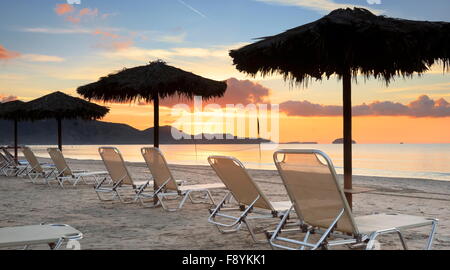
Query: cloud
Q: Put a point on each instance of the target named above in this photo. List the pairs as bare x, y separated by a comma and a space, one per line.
4, 98
238, 92
106, 34
88, 12
423, 106
62, 9
42, 58
43, 30
73, 19
137, 53
179, 38
317, 5
75, 16
6, 54
113, 42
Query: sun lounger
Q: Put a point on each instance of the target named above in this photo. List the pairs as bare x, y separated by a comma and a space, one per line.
10, 157
120, 176
252, 202
11, 167
53, 235
35, 169
166, 185
318, 199
65, 174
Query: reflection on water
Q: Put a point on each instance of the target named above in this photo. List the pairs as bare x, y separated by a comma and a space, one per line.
430, 161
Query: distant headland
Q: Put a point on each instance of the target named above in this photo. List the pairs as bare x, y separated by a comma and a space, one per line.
341, 141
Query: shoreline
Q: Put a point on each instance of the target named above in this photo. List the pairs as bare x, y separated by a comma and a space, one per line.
142, 164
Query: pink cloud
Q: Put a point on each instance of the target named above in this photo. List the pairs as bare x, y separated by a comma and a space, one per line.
4, 98
111, 41
106, 34
66, 9
238, 92
88, 12
73, 19
122, 45
6, 54
62, 9
423, 106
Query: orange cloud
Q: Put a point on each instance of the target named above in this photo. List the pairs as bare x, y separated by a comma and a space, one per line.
238, 92
62, 9
122, 45
4, 98
65, 9
88, 12
106, 34
111, 41
423, 106
73, 19
6, 54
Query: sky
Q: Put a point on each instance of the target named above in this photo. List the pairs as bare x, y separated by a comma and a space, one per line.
58, 45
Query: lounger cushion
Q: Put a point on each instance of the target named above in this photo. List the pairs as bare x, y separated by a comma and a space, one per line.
372, 223
29, 235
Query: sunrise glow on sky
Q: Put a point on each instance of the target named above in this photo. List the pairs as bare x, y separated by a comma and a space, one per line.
50, 45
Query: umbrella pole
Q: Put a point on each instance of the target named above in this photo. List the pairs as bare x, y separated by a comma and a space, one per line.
155, 135
15, 141
156, 121
348, 143
59, 134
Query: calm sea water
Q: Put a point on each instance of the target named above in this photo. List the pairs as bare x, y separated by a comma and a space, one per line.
428, 161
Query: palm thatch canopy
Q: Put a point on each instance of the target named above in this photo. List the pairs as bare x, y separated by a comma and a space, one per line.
150, 83
348, 42
349, 39
147, 82
62, 106
12, 110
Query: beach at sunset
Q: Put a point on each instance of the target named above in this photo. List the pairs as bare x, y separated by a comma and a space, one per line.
237, 126
117, 226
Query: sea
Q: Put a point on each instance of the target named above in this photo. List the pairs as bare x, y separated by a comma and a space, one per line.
419, 161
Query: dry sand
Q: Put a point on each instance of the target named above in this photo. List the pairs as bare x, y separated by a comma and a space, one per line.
107, 225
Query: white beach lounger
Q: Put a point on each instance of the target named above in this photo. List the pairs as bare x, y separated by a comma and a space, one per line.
166, 184
252, 202
53, 235
319, 201
35, 169
66, 174
11, 167
120, 176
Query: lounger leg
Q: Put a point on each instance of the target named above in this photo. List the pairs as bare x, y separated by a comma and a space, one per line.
208, 196
432, 234
57, 245
371, 243
402, 240
253, 234
278, 229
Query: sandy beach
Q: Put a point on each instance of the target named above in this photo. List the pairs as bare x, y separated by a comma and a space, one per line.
112, 225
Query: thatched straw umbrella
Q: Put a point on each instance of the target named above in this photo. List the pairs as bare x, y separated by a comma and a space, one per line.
151, 83
348, 42
13, 110
61, 106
